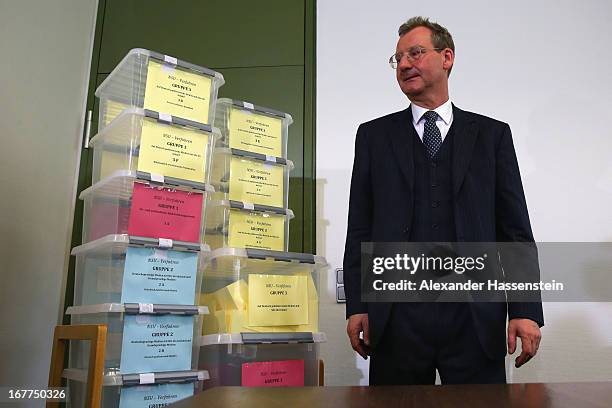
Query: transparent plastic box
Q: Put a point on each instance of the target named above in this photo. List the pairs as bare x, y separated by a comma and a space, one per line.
251, 177
145, 141
148, 329
236, 224
122, 390
150, 80
169, 209
253, 128
243, 359
244, 290
154, 273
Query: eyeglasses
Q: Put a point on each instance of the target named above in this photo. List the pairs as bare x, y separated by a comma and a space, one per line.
413, 54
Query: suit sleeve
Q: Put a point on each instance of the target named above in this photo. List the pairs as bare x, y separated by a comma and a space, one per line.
512, 225
359, 224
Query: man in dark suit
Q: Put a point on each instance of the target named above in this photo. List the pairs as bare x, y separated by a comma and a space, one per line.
435, 173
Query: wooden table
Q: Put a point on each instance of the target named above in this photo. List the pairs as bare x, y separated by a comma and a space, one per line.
574, 395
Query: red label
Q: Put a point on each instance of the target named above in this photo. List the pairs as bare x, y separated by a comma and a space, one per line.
288, 373
159, 212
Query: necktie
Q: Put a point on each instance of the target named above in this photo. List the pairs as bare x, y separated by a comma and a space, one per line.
432, 138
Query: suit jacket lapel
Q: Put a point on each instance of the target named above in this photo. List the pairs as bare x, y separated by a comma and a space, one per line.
402, 134
465, 136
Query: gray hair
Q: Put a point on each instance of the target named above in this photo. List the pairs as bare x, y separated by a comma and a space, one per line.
440, 37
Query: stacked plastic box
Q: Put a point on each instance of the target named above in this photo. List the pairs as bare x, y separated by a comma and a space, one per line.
139, 268
250, 174
263, 323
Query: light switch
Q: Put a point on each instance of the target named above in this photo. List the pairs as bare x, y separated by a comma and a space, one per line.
340, 297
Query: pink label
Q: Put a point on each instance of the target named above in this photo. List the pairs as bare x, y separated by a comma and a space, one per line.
288, 373
159, 212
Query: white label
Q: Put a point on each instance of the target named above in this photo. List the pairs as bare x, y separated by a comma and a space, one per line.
271, 159
248, 206
164, 117
249, 105
165, 243
170, 60
147, 378
157, 178
145, 307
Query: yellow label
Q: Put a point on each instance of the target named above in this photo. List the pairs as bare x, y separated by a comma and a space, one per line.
177, 92
255, 133
277, 300
256, 230
172, 151
232, 296
256, 182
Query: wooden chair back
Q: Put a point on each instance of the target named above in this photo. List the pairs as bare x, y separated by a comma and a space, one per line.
96, 334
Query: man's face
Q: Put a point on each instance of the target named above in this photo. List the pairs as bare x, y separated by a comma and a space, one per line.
426, 75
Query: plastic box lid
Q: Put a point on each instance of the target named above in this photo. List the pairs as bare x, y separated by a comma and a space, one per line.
137, 308
169, 119
257, 156
112, 242
257, 108
240, 205
80, 375
262, 338
141, 52
119, 184
264, 254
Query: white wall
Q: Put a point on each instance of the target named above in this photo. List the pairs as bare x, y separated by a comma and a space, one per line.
46, 50
545, 68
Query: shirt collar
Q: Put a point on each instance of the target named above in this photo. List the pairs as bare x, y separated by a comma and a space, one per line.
445, 111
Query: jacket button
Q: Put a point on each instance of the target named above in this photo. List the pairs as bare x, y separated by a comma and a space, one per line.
435, 204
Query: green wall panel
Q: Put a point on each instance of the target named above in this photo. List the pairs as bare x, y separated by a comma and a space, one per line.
212, 33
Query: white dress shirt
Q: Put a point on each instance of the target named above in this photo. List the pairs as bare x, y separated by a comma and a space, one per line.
444, 121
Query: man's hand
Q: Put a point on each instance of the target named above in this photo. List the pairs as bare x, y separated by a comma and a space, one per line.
358, 323
530, 335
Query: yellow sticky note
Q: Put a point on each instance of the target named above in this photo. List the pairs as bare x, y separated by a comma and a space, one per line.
255, 132
236, 321
256, 182
210, 301
172, 151
232, 296
177, 92
277, 300
256, 230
